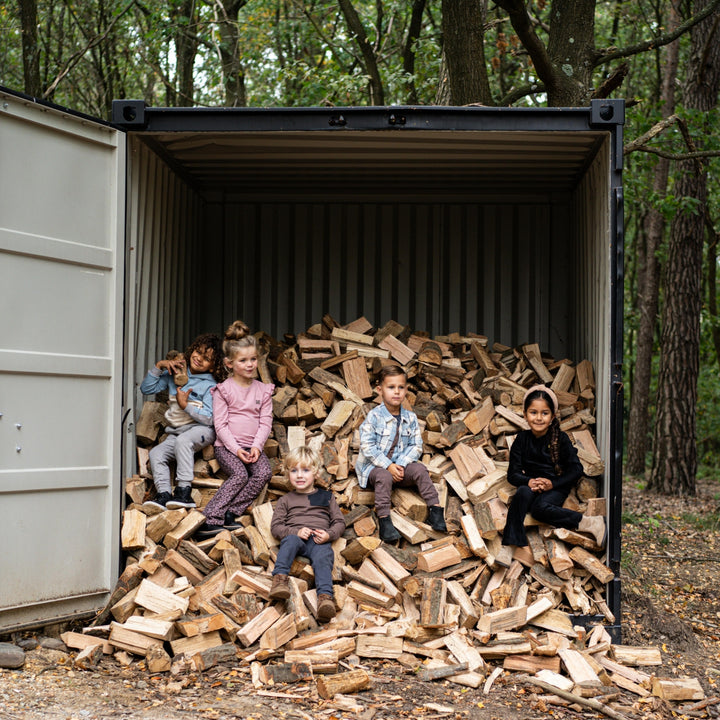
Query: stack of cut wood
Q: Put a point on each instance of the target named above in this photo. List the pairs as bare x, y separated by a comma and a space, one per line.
453, 604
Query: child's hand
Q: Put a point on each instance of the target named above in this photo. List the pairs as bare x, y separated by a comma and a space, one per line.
253, 455
320, 536
540, 484
304, 533
182, 397
244, 455
397, 472
172, 366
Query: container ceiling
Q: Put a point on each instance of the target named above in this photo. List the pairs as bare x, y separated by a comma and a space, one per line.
338, 162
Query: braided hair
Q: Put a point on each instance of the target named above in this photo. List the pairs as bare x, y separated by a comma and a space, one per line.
553, 432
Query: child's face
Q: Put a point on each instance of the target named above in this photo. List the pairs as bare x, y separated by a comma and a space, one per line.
201, 360
302, 478
539, 415
393, 391
243, 364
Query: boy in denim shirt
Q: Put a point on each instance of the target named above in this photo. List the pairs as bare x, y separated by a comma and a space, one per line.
390, 446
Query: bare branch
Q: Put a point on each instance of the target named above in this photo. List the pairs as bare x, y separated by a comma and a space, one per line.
76, 57
613, 82
654, 131
677, 156
639, 144
531, 42
357, 30
521, 92
334, 47
609, 54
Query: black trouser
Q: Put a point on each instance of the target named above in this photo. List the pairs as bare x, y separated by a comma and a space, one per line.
544, 506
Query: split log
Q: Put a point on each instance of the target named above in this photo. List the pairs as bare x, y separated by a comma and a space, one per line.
353, 681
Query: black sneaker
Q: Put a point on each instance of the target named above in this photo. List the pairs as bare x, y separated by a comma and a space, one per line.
207, 531
436, 519
230, 522
181, 498
159, 501
388, 532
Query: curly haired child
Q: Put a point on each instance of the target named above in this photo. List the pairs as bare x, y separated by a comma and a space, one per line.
189, 416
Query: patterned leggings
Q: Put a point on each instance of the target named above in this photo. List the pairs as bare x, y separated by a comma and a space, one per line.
242, 486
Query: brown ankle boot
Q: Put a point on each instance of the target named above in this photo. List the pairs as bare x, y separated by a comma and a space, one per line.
280, 589
326, 607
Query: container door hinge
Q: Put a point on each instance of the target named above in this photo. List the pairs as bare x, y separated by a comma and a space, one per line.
130, 113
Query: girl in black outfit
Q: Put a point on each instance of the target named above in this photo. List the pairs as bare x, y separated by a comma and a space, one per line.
544, 468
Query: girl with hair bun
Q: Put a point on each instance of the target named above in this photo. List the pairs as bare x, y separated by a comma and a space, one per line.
544, 468
242, 415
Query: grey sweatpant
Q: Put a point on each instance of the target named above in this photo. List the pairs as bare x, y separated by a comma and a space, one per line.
179, 446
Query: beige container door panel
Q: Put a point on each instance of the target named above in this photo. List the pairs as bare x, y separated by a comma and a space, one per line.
61, 285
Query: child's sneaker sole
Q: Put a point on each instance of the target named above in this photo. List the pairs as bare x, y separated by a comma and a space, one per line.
177, 504
209, 531
153, 504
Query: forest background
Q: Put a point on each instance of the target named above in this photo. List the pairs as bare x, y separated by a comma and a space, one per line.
662, 56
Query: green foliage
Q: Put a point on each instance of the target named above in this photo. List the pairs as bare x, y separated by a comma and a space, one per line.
301, 53
708, 419
11, 64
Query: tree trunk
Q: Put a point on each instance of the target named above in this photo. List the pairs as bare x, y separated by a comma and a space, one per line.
414, 28
571, 47
30, 47
566, 65
674, 440
649, 283
183, 15
464, 52
232, 69
377, 91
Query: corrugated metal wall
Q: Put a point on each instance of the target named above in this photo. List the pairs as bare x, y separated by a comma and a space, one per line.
592, 287
528, 269
496, 268
164, 254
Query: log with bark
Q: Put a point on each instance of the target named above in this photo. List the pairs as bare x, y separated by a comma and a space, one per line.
453, 606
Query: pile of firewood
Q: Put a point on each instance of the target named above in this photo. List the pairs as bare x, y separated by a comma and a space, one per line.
450, 605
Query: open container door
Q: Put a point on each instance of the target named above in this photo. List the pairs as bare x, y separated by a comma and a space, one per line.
61, 292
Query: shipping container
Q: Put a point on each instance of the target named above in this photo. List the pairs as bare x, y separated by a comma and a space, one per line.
121, 240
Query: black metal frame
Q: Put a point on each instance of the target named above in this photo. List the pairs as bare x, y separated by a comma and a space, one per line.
609, 115
134, 115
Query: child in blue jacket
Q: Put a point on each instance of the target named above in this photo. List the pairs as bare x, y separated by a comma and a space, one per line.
189, 417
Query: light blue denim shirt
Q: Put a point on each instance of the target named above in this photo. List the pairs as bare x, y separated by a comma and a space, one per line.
376, 438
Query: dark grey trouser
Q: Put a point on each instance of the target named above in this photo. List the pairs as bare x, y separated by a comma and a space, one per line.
416, 475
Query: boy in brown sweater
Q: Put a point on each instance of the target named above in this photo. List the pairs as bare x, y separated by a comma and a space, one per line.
306, 521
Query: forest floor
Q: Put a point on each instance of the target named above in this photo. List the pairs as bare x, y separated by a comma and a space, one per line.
671, 600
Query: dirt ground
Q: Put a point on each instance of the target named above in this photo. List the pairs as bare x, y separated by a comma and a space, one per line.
671, 599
